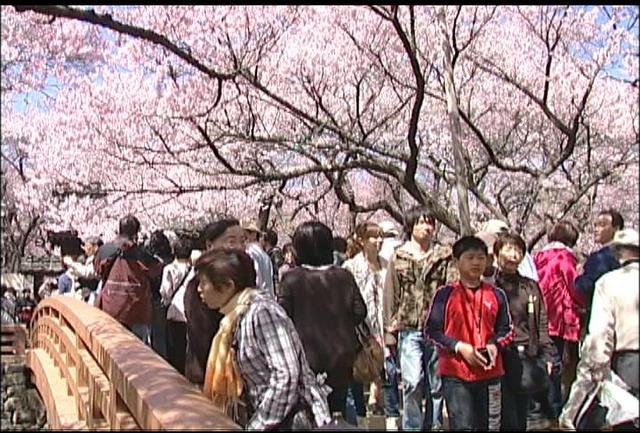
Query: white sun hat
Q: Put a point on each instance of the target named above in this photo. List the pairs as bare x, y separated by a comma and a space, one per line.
627, 237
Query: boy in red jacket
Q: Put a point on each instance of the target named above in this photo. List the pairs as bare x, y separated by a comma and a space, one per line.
470, 322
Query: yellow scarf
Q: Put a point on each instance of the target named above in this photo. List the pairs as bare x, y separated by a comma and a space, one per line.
222, 382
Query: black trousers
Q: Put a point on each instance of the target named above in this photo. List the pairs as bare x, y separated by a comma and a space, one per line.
177, 344
515, 408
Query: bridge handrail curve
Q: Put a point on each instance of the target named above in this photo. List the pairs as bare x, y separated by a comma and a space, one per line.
107, 360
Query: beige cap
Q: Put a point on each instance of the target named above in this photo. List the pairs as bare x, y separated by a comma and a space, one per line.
250, 225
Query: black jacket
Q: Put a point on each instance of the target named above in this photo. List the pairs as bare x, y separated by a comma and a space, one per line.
325, 306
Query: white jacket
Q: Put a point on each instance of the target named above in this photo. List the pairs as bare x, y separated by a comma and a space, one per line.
613, 327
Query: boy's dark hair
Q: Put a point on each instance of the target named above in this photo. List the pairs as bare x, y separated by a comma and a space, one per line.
413, 215
616, 219
313, 243
272, 237
213, 231
468, 243
509, 239
565, 232
129, 226
182, 248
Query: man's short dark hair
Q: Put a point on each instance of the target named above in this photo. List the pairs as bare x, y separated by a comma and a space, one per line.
159, 244
95, 240
339, 244
182, 248
469, 243
129, 226
413, 215
564, 231
214, 230
616, 219
272, 237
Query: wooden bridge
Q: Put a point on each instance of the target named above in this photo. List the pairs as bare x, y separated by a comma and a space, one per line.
93, 374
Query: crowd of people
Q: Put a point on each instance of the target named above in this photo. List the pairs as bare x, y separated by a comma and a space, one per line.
482, 330
17, 305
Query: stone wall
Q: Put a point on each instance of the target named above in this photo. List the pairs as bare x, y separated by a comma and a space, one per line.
22, 408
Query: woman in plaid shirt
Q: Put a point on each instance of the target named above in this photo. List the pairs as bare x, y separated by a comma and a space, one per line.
256, 355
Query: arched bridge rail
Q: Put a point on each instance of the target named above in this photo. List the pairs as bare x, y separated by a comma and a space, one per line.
94, 374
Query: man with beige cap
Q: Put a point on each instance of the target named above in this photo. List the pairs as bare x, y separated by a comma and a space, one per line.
261, 260
612, 342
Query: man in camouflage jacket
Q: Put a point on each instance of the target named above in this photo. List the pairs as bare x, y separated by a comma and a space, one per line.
415, 272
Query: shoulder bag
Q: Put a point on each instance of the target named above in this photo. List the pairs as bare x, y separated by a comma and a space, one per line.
369, 361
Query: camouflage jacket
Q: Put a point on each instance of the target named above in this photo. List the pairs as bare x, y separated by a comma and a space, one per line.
410, 285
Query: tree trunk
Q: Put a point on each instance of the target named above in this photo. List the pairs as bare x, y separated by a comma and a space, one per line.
265, 210
462, 187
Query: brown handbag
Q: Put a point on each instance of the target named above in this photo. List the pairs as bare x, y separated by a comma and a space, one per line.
369, 361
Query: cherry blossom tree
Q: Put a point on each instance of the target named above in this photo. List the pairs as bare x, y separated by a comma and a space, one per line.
288, 113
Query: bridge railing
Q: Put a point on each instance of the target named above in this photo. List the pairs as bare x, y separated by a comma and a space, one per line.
92, 373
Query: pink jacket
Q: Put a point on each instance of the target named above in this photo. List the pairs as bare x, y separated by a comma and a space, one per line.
556, 265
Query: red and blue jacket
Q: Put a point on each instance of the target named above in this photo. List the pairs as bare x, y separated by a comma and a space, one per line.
478, 316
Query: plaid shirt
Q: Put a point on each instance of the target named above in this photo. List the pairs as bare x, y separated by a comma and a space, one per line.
273, 366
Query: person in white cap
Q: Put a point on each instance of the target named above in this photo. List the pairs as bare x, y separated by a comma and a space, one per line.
527, 267
612, 342
390, 239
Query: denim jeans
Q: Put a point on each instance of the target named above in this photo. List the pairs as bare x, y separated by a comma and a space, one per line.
472, 405
555, 390
355, 403
390, 387
418, 365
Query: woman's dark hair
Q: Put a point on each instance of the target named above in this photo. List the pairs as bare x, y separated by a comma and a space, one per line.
468, 243
213, 231
509, 239
313, 243
617, 222
413, 215
565, 232
288, 248
223, 264
182, 248
159, 244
